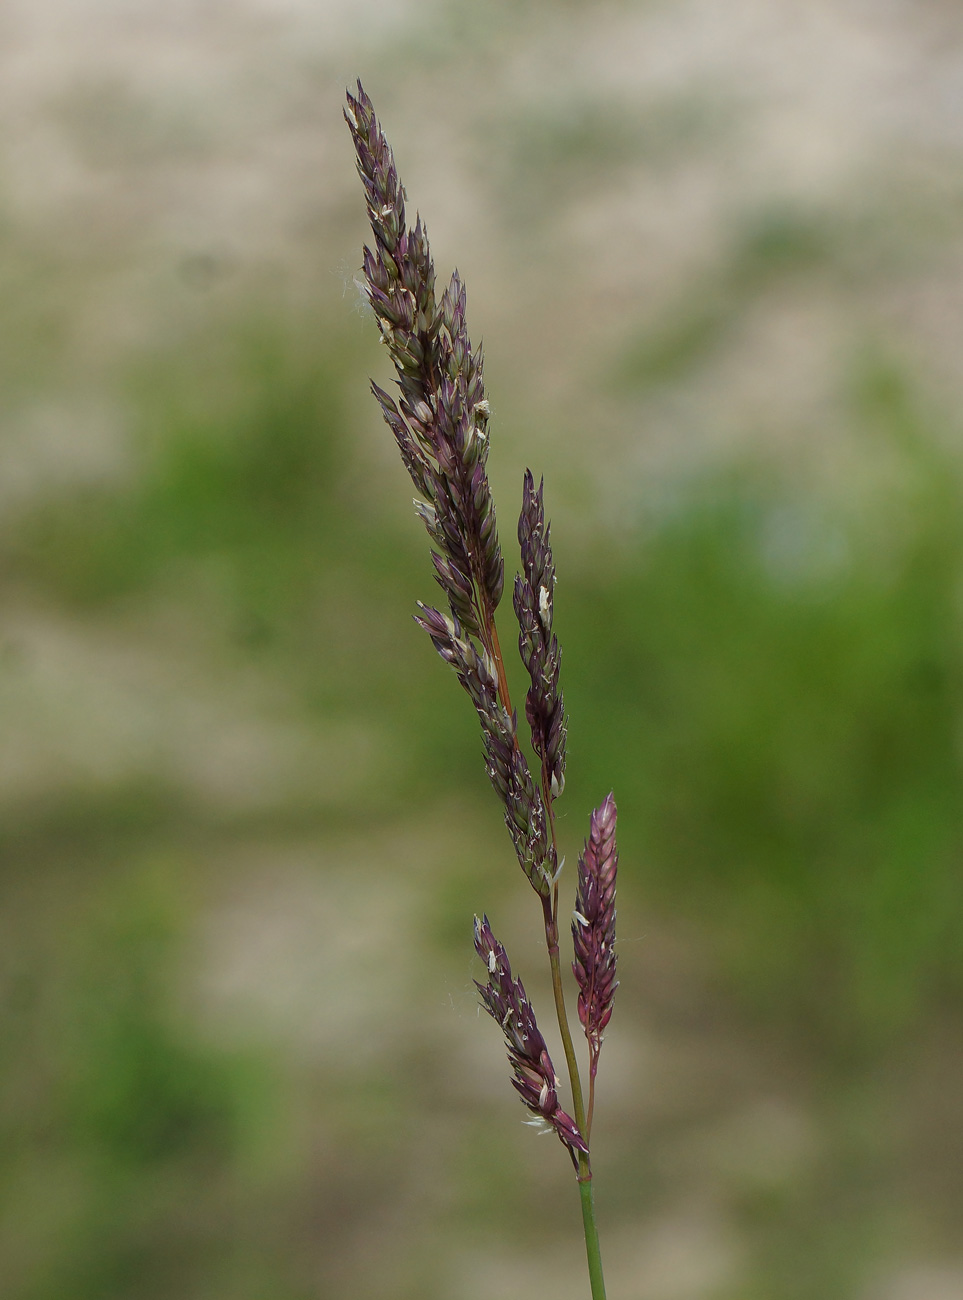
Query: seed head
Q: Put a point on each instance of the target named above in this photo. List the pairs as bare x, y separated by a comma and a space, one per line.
535, 1081
533, 600
507, 768
440, 419
593, 926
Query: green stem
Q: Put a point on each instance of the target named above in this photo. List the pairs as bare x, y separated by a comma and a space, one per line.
592, 1251
551, 940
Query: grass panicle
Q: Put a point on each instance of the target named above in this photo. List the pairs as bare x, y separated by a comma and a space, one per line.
440, 422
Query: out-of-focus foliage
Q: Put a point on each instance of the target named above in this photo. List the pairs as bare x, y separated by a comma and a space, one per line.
787, 722
768, 677
118, 1121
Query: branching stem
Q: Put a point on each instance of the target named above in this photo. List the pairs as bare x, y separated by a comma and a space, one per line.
495, 650
550, 916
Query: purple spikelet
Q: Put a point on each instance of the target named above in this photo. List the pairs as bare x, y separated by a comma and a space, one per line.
535, 1081
507, 769
440, 422
593, 927
534, 604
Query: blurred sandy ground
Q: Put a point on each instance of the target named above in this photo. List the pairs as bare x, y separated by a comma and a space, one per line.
593, 170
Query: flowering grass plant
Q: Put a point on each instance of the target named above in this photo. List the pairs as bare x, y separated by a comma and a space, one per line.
440, 422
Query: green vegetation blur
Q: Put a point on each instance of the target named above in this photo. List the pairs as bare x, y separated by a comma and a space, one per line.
769, 679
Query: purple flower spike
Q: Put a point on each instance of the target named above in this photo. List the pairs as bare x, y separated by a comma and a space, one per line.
593, 927
535, 1080
440, 422
533, 599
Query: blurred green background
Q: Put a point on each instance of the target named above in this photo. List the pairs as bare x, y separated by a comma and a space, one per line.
716, 257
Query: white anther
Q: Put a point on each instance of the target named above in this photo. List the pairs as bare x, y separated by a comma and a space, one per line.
577, 916
387, 210
492, 962
544, 608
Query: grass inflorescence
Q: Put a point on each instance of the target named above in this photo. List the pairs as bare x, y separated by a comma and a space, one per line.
441, 425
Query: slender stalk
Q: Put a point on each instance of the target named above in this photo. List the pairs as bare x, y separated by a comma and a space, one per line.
551, 940
591, 1105
592, 1252
550, 914
495, 650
